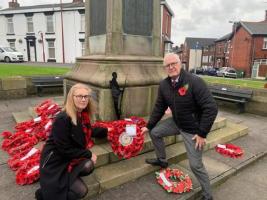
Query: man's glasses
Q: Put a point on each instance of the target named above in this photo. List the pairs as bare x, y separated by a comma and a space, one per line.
81, 97
170, 65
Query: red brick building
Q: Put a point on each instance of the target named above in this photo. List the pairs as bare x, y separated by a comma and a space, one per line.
197, 52
248, 50
221, 54
166, 18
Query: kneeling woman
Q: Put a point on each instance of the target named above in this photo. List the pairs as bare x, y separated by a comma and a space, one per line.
66, 155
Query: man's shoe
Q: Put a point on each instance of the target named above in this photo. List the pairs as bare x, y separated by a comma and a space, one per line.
157, 162
38, 194
203, 198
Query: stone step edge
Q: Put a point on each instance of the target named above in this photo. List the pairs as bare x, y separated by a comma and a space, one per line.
223, 177
136, 173
106, 155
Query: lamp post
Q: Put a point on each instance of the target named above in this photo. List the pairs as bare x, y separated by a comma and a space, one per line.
195, 68
233, 43
42, 39
62, 33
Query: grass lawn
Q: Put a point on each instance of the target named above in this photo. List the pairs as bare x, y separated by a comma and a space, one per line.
258, 84
7, 70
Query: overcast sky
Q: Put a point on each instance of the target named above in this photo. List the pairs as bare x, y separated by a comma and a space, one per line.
197, 18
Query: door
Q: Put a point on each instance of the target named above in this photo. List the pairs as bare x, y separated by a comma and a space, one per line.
255, 70
32, 51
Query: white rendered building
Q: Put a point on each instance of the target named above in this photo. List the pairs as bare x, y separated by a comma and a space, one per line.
37, 32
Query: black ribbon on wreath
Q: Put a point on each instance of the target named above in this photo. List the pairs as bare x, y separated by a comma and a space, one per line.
116, 93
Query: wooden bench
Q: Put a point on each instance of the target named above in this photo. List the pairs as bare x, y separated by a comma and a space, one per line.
234, 95
47, 82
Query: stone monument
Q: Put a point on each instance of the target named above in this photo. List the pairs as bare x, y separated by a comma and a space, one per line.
122, 36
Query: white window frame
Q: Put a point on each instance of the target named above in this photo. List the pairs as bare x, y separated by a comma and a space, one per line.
82, 28
51, 49
10, 25
50, 24
30, 27
264, 43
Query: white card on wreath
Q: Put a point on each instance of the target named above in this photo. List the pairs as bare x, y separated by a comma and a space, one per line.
131, 130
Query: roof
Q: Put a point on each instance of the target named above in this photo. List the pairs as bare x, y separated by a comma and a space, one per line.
198, 43
255, 28
225, 37
164, 2
64, 6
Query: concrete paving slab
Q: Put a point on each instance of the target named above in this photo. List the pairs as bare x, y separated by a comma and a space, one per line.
10, 190
22, 116
213, 167
245, 185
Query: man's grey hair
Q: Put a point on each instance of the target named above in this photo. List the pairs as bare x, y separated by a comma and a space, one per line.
172, 55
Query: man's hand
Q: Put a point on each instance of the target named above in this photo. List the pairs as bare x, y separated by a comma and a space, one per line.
144, 130
200, 142
94, 158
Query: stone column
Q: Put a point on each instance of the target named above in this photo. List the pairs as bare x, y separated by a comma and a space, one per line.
122, 36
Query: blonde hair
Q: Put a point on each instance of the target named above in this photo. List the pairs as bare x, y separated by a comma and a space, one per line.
69, 106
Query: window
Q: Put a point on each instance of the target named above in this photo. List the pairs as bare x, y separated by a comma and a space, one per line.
49, 24
205, 59
83, 48
167, 23
82, 23
211, 59
12, 45
30, 25
264, 43
10, 25
51, 49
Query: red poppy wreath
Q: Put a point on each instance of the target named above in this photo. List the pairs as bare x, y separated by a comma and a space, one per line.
229, 150
123, 145
174, 180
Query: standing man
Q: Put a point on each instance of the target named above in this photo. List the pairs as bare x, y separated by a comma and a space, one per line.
193, 113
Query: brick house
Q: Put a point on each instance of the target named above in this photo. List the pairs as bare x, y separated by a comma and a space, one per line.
222, 46
208, 59
248, 50
166, 22
193, 52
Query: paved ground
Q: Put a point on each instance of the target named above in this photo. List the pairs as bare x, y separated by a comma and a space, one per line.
246, 185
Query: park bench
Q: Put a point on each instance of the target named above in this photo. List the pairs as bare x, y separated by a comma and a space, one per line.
234, 95
41, 82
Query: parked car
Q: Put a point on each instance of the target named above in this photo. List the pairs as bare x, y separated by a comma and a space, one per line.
9, 54
210, 71
199, 70
227, 72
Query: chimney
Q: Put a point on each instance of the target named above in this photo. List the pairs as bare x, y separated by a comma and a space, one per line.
13, 4
77, 1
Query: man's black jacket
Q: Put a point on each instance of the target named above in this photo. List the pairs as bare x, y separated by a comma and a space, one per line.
194, 112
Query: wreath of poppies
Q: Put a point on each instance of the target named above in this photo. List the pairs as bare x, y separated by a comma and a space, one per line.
229, 150
24, 158
117, 128
174, 180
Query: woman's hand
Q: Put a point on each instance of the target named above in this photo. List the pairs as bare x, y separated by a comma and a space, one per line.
94, 158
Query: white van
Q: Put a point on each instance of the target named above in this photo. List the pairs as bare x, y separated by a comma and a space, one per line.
8, 54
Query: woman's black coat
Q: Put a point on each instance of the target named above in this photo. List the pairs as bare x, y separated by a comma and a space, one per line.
66, 142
